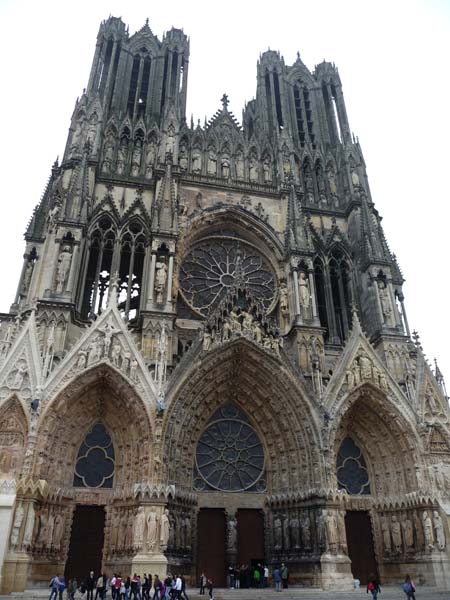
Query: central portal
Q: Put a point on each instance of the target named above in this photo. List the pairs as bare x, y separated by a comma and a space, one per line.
250, 536
360, 544
86, 542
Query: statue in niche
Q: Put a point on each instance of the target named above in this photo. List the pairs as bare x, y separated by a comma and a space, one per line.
277, 533
308, 181
396, 534
294, 526
418, 531
286, 536
386, 534
133, 369
58, 531
115, 353
29, 526
152, 530
19, 376
27, 278
207, 340
164, 535
385, 301
186, 527
18, 518
160, 280
183, 160
150, 160
76, 137
257, 331
122, 156
253, 169
232, 535
92, 129
407, 530
342, 534
330, 530
303, 292
212, 162
306, 529
136, 158
108, 155
170, 141
267, 170
138, 528
114, 530
428, 531
196, 161
331, 180
81, 360
286, 161
225, 167
284, 303
439, 530
239, 163
365, 367
63, 269
95, 352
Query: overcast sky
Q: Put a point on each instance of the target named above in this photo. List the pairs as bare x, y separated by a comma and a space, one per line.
393, 60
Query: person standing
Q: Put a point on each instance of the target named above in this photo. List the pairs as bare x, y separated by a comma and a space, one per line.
178, 587
202, 583
61, 587
210, 588
373, 586
90, 585
183, 588
157, 586
72, 589
277, 579
266, 576
54, 584
284, 575
409, 588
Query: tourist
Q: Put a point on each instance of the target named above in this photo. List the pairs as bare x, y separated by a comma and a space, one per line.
146, 586
284, 575
183, 588
72, 589
277, 579
115, 587
256, 577
61, 587
210, 588
231, 576
136, 587
54, 584
409, 588
168, 587
123, 590
266, 576
203, 581
373, 586
102, 583
157, 588
178, 587
90, 585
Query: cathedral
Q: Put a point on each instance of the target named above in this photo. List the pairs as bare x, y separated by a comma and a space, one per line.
208, 360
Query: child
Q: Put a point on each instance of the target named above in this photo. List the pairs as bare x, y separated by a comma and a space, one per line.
210, 589
373, 586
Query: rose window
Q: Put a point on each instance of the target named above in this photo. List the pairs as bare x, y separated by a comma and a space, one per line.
230, 455
218, 264
352, 474
95, 461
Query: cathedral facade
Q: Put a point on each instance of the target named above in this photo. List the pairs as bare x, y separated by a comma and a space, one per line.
208, 361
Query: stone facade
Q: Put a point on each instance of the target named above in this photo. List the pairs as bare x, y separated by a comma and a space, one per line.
210, 318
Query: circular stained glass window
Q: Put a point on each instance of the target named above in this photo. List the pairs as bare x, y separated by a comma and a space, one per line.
218, 264
229, 457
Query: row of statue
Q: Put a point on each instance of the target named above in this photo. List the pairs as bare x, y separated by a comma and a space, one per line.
412, 531
43, 530
292, 531
361, 370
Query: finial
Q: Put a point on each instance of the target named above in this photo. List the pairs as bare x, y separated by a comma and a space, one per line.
225, 102
146, 21
298, 55
356, 323
113, 285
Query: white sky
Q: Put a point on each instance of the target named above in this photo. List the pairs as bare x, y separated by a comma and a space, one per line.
393, 60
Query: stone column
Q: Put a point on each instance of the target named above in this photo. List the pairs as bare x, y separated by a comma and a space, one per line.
73, 269
298, 316
169, 281
152, 276
312, 290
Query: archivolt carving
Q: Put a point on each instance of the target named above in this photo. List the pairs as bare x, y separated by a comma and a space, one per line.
13, 436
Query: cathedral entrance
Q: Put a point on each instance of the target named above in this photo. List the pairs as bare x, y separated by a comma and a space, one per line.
211, 545
86, 542
250, 536
360, 544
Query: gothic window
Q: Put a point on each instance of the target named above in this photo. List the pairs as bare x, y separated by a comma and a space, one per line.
164, 80
133, 85
220, 263
95, 461
105, 68
98, 270
340, 288
276, 89
132, 254
229, 455
143, 93
299, 114
320, 291
335, 111
308, 114
351, 469
268, 99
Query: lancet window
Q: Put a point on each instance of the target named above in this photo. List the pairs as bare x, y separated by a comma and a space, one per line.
334, 294
132, 255
98, 267
139, 83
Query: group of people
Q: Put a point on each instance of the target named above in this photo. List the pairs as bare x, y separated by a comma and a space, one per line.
257, 576
173, 587
373, 586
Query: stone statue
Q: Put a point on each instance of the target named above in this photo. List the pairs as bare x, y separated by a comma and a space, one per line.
247, 322
29, 526
212, 163
50, 529
160, 280
239, 163
225, 166
365, 366
396, 534
63, 268
150, 160
355, 178
267, 169
294, 526
418, 532
27, 278
164, 535
19, 377
385, 302
408, 536
115, 353
95, 352
342, 534
196, 161
386, 534
76, 137
207, 340
284, 303
428, 531
58, 531
253, 169
18, 518
183, 160
330, 530
303, 292
306, 529
439, 530
133, 369
257, 332
277, 533
232, 535
152, 530
331, 179
92, 129
187, 532
136, 158
138, 528
108, 156
81, 360
122, 156
170, 142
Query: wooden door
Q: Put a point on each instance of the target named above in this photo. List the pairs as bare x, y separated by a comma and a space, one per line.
86, 542
360, 545
250, 536
211, 547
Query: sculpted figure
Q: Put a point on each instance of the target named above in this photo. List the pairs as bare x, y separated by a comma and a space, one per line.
115, 353
267, 168
136, 158
63, 268
239, 161
150, 160
29, 526
50, 529
306, 529
331, 179
212, 163
439, 529
122, 156
164, 536
19, 377
133, 369
303, 291
27, 278
355, 178
160, 280
295, 530
196, 161
138, 528
235, 323
170, 142
418, 532
286, 536
396, 534
18, 518
232, 534
207, 340
284, 304
386, 533
187, 530
247, 322
330, 530
95, 351
225, 166
342, 534
152, 530
108, 157
114, 531
365, 366
428, 531
277, 533
407, 529
183, 160
257, 332
58, 531
253, 169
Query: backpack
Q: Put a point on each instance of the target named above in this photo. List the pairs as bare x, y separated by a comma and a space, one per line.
371, 586
407, 587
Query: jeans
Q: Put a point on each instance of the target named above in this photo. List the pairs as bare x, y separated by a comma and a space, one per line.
374, 594
411, 596
278, 586
53, 594
156, 595
90, 595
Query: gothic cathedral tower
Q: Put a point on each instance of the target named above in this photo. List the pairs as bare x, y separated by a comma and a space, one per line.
209, 342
